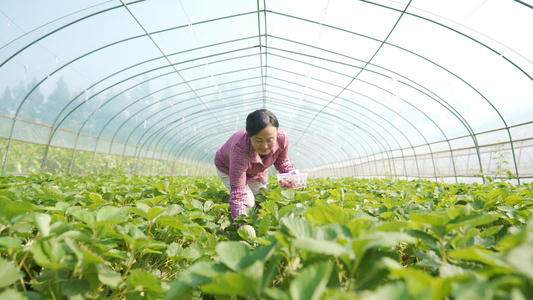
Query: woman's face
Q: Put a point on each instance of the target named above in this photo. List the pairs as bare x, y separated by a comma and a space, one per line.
265, 140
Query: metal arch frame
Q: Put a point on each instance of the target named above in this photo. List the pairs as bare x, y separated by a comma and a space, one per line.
86, 54
161, 100
451, 110
259, 36
248, 101
168, 60
252, 100
465, 35
182, 159
379, 103
176, 153
359, 72
189, 133
113, 85
174, 95
331, 162
448, 107
489, 102
167, 117
384, 149
171, 138
322, 154
506, 127
424, 114
300, 146
383, 119
138, 84
141, 73
35, 41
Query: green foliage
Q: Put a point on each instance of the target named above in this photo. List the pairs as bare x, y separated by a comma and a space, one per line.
26, 158
158, 237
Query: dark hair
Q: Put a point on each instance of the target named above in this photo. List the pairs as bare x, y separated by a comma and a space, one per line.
259, 120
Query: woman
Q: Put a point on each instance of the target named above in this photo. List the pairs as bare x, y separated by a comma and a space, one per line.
243, 160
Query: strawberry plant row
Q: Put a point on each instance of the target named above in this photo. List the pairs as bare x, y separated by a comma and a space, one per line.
157, 237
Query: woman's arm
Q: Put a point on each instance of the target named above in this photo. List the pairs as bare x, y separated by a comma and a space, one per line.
283, 163
237, 175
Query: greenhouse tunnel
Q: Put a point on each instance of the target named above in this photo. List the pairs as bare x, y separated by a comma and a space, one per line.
438, 90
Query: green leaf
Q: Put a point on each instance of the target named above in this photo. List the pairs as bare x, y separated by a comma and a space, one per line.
326, 214
246, 283
116, 253
264, 225
84, 215
470, 220
246, 232
478, 204
430, 240
11, 209
311, 282
276, 294
171, 221
232, 254
332, 232
42, 222
320, 246
141, 209
262, 252
473, 290
201, 185
491, 231
383, 239
298, 227
12, 294
359, 227
521, 258
435, 220
476, 254
271, 269
112, 214
211, 270
391, 226
271, 208
97, 198
419, 284
76, 289
208, 205
162, 186
289, 194
513, 200
143, 281
9, 273
11, 243
88, 257
179, 290
48, 254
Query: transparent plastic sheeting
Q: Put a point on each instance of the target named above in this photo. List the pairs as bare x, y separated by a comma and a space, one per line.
404, 89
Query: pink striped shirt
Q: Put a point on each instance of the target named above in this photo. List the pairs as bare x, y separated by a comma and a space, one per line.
238, 159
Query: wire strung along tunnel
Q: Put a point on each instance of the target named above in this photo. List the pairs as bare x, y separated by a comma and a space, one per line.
400, 89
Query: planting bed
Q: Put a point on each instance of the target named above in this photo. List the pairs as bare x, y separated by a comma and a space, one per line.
155, 237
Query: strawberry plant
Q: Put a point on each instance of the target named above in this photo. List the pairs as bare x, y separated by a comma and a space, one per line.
160, 237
